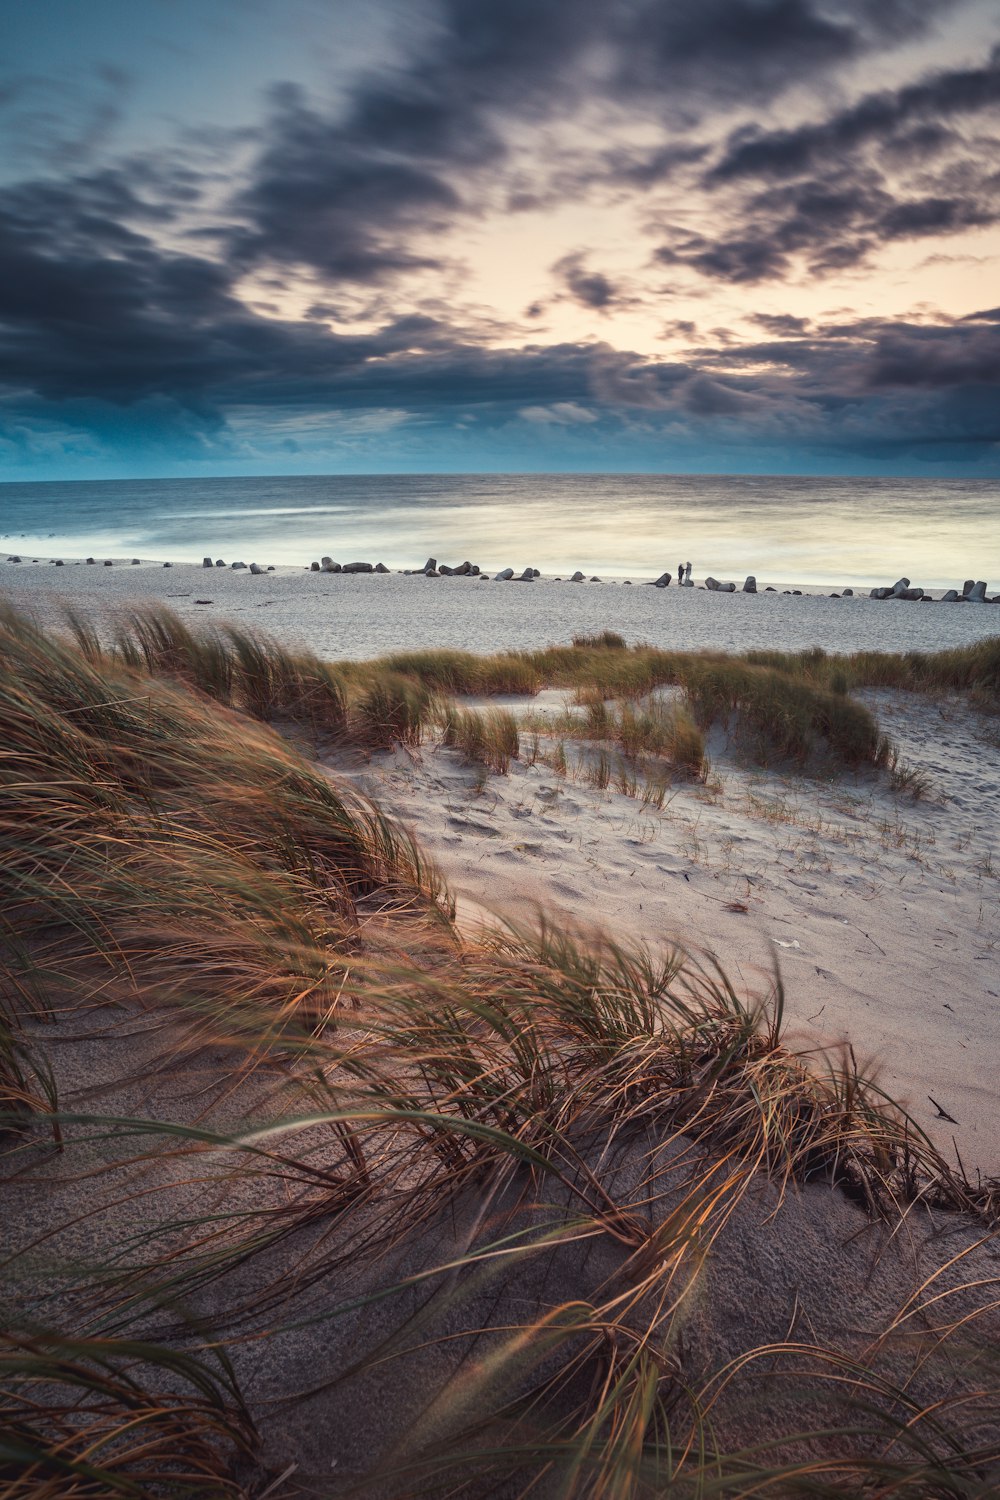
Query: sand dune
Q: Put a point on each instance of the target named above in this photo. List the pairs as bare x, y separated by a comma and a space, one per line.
882, 912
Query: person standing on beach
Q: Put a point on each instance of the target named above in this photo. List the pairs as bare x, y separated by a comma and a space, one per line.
680, 572
686, 570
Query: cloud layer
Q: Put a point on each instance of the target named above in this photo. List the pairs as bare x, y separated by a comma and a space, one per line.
668, 164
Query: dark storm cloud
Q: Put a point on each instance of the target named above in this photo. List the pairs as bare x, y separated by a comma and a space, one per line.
833, 234
835, 221
935, 357
834, 192
163, 340
346, 191
415, 150
744, 47
77, 325
589, 288
779, 324
319, 198
840, 360
875, 120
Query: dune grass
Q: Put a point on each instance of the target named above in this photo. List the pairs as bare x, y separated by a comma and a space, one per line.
561, 1130
87, 1418
153, 843
775, 705
489, 739
234, 666
661, 729
973, 669
515, 1087
463, 672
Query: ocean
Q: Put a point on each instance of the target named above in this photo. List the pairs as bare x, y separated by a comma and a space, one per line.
803, 531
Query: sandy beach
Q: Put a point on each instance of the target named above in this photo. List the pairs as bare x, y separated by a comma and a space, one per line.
356, 616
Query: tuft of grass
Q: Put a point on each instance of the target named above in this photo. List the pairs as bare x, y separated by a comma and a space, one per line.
392, 709
684, 742
665, 730
462, 672
604, 640
27, 1083
489, 738
598, 771
155, 844
234, 666
775, 714
911, 781
86, 1418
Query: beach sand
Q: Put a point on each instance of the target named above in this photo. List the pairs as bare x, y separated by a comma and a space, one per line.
361, 615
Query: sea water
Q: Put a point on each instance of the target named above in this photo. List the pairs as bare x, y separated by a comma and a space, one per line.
836, 532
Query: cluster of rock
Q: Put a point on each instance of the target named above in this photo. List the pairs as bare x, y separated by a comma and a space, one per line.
749, 586
327, 565
434, 569
254, 568
972, 593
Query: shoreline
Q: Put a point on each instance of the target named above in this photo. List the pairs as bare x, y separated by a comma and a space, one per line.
353, 616
964, 591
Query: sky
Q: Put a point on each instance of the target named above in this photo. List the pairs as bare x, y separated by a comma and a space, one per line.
321, 236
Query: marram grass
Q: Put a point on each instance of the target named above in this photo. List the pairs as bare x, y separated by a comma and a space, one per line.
463, 1202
